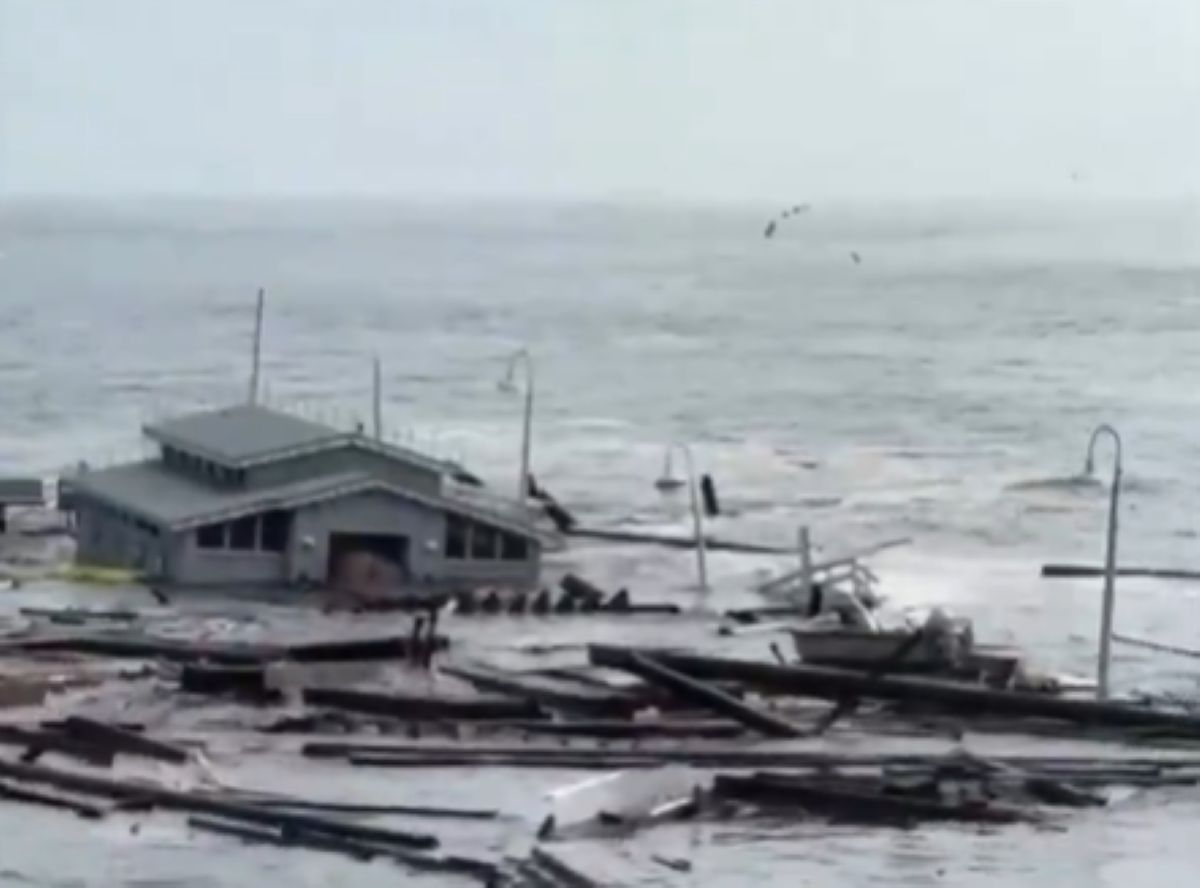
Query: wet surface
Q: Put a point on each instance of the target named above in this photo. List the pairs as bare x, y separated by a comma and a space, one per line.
942, 390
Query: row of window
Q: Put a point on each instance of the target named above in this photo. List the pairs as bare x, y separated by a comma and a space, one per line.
198, 467
480, 542
268, 532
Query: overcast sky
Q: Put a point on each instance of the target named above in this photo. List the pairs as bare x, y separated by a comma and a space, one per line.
728, 99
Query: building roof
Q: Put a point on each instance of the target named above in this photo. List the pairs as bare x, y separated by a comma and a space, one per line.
173, 501
242, 434
245, 435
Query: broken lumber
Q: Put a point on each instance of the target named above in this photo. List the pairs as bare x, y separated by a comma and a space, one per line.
197, 803
1080, 571
853, 803
675, 542
548, 693
119, 740
413, 707
578, 588
14, 793
397, 647
563, 873
38, 741
291, 804
653, 671
287, 837
832, 683
709, 729
217, 678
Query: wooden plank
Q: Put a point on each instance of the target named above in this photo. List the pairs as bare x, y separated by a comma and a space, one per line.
1080, 571
119, 740
415, 707
198, 803
832, 683
701, 694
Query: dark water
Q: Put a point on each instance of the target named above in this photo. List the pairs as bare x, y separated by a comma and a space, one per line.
944, 388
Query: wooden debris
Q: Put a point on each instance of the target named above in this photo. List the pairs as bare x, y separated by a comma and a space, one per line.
37, 741
689, 689
15, 793
300, 837
119, 740
133, 646
711, 729
1080, 571
564, 874
548, 692
580, 589
244, 681
848, 802
198, 803
417, 708
291, 804
80, 615
968, 699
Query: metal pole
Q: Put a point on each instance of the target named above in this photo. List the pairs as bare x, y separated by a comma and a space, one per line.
527, 424
258, 321
1110, 559
697, 518
526, 434
377, 401
805, 564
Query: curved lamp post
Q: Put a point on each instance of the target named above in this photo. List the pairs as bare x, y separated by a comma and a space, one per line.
508, 384
697, 518
1110, 555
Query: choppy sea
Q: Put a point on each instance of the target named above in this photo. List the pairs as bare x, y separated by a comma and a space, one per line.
871, 372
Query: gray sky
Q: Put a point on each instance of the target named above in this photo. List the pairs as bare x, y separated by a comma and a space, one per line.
724, 99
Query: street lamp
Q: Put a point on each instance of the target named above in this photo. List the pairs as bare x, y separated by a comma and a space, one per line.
508, 384
1110, 555
667, 483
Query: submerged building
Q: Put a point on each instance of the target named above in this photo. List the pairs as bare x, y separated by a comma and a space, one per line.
250, 495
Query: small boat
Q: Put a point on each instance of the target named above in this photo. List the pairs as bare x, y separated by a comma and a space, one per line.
945, 645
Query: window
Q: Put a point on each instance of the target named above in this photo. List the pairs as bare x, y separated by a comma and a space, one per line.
243, 533
513, 547
456, 537
211, 536
483, 542
276, 528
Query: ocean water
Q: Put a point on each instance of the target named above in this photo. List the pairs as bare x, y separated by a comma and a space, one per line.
942, 387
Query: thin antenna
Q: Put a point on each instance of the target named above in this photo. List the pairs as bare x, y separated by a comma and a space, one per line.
258, 320
377, 400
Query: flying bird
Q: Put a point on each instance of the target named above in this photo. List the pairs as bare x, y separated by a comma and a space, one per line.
786, 214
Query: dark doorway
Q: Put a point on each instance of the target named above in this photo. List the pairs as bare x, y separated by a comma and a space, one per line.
367, 562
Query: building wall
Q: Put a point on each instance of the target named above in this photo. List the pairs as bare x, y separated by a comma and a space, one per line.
373, 512
107, 537
346, 459
424, 527
193, 566
519, 574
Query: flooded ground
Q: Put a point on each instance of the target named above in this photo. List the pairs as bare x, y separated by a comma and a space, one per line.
942, 390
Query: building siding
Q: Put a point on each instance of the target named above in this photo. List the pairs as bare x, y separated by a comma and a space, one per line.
342, 460
194, 566
108, 538
368, 513
113, 538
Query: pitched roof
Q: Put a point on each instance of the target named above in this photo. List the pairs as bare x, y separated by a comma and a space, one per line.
243, 434
149, 491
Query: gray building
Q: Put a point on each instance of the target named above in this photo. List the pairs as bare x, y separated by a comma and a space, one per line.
249, 495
